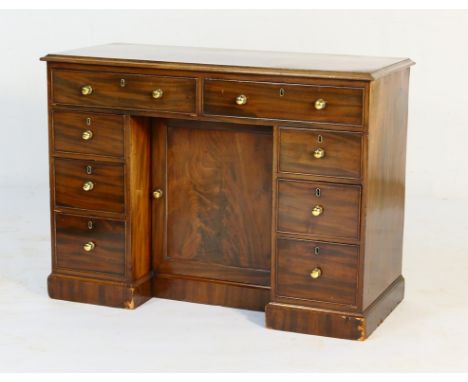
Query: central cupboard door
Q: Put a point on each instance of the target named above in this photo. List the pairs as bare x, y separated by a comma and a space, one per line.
213, 220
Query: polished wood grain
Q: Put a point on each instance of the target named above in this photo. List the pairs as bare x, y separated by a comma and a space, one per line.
340, 218
385, 184
265, 100
342, 153
218, 198
108, 180
178, 93
108, 256
248, 62
107, 133
338, 263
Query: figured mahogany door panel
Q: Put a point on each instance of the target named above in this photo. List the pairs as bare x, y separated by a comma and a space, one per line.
342, 105
319, 209
317, 271
89, 185
88, 133
319, 152
218, 199
90, 244
122, 90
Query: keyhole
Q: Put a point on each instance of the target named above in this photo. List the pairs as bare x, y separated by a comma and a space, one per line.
90, 224
88, 121
282, 92
319, 139
89, 169
122, 83
316, 250
318, 192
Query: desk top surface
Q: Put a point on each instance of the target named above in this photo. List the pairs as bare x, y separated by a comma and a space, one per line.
234, 61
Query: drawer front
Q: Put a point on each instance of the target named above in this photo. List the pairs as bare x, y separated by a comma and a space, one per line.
88, 133
126, 91
316, 152
319, 209
283, 101
105, 192
89, 244
317, 271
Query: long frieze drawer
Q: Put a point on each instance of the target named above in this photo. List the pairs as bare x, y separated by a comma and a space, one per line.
283, 101
317, 271
318, 209
88, 133
317, 152
126, 91
89, 244
89, 185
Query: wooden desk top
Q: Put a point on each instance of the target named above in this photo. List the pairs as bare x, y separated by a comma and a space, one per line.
234, 61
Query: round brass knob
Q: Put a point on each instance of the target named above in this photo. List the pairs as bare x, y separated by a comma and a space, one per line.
319, 153
88, 186
158, 194
317, 210
241, 99
316, 273
87, 135
157, 93
87, 90
320, 104
89, 246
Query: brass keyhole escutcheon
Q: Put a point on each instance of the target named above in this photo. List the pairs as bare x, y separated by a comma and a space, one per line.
88, 121
122, 83
90, 224
317, 210
282, 92
158, 194
316, 273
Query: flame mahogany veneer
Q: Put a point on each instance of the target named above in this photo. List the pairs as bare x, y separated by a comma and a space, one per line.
257, 180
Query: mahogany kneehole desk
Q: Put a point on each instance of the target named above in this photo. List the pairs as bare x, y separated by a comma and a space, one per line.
256, 180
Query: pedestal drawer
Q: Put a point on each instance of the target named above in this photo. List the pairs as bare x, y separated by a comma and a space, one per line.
322, 210
122, 90
88, 133
317, 271
283, 101
89, 244
318, 152
89, 185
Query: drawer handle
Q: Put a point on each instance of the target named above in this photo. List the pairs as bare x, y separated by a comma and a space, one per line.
320, 104
241, 99
157, 93
158, 194
87, 135
319, 153
317, 210
89, 246
87, 90
88, 186
316, 273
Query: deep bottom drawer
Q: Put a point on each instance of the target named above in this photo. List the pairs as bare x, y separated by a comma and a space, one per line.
317, 271
89, 244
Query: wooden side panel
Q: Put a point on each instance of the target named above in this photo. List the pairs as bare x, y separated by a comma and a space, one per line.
138, 185
388, 110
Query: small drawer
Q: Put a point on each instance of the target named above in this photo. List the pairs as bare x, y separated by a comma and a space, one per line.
88, 133
323, 153
89, 185
283, 101
318, 209
89, 244
125, 91
317, 271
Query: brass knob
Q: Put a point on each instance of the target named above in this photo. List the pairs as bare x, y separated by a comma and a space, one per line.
158, 194
316, 273
87, 135
317, 210
87, 90
157, 93
241, 99
88, 186
319, 153
89, 246
320, 104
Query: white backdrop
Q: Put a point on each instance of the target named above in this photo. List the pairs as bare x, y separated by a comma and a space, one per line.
437, 41
427, 332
